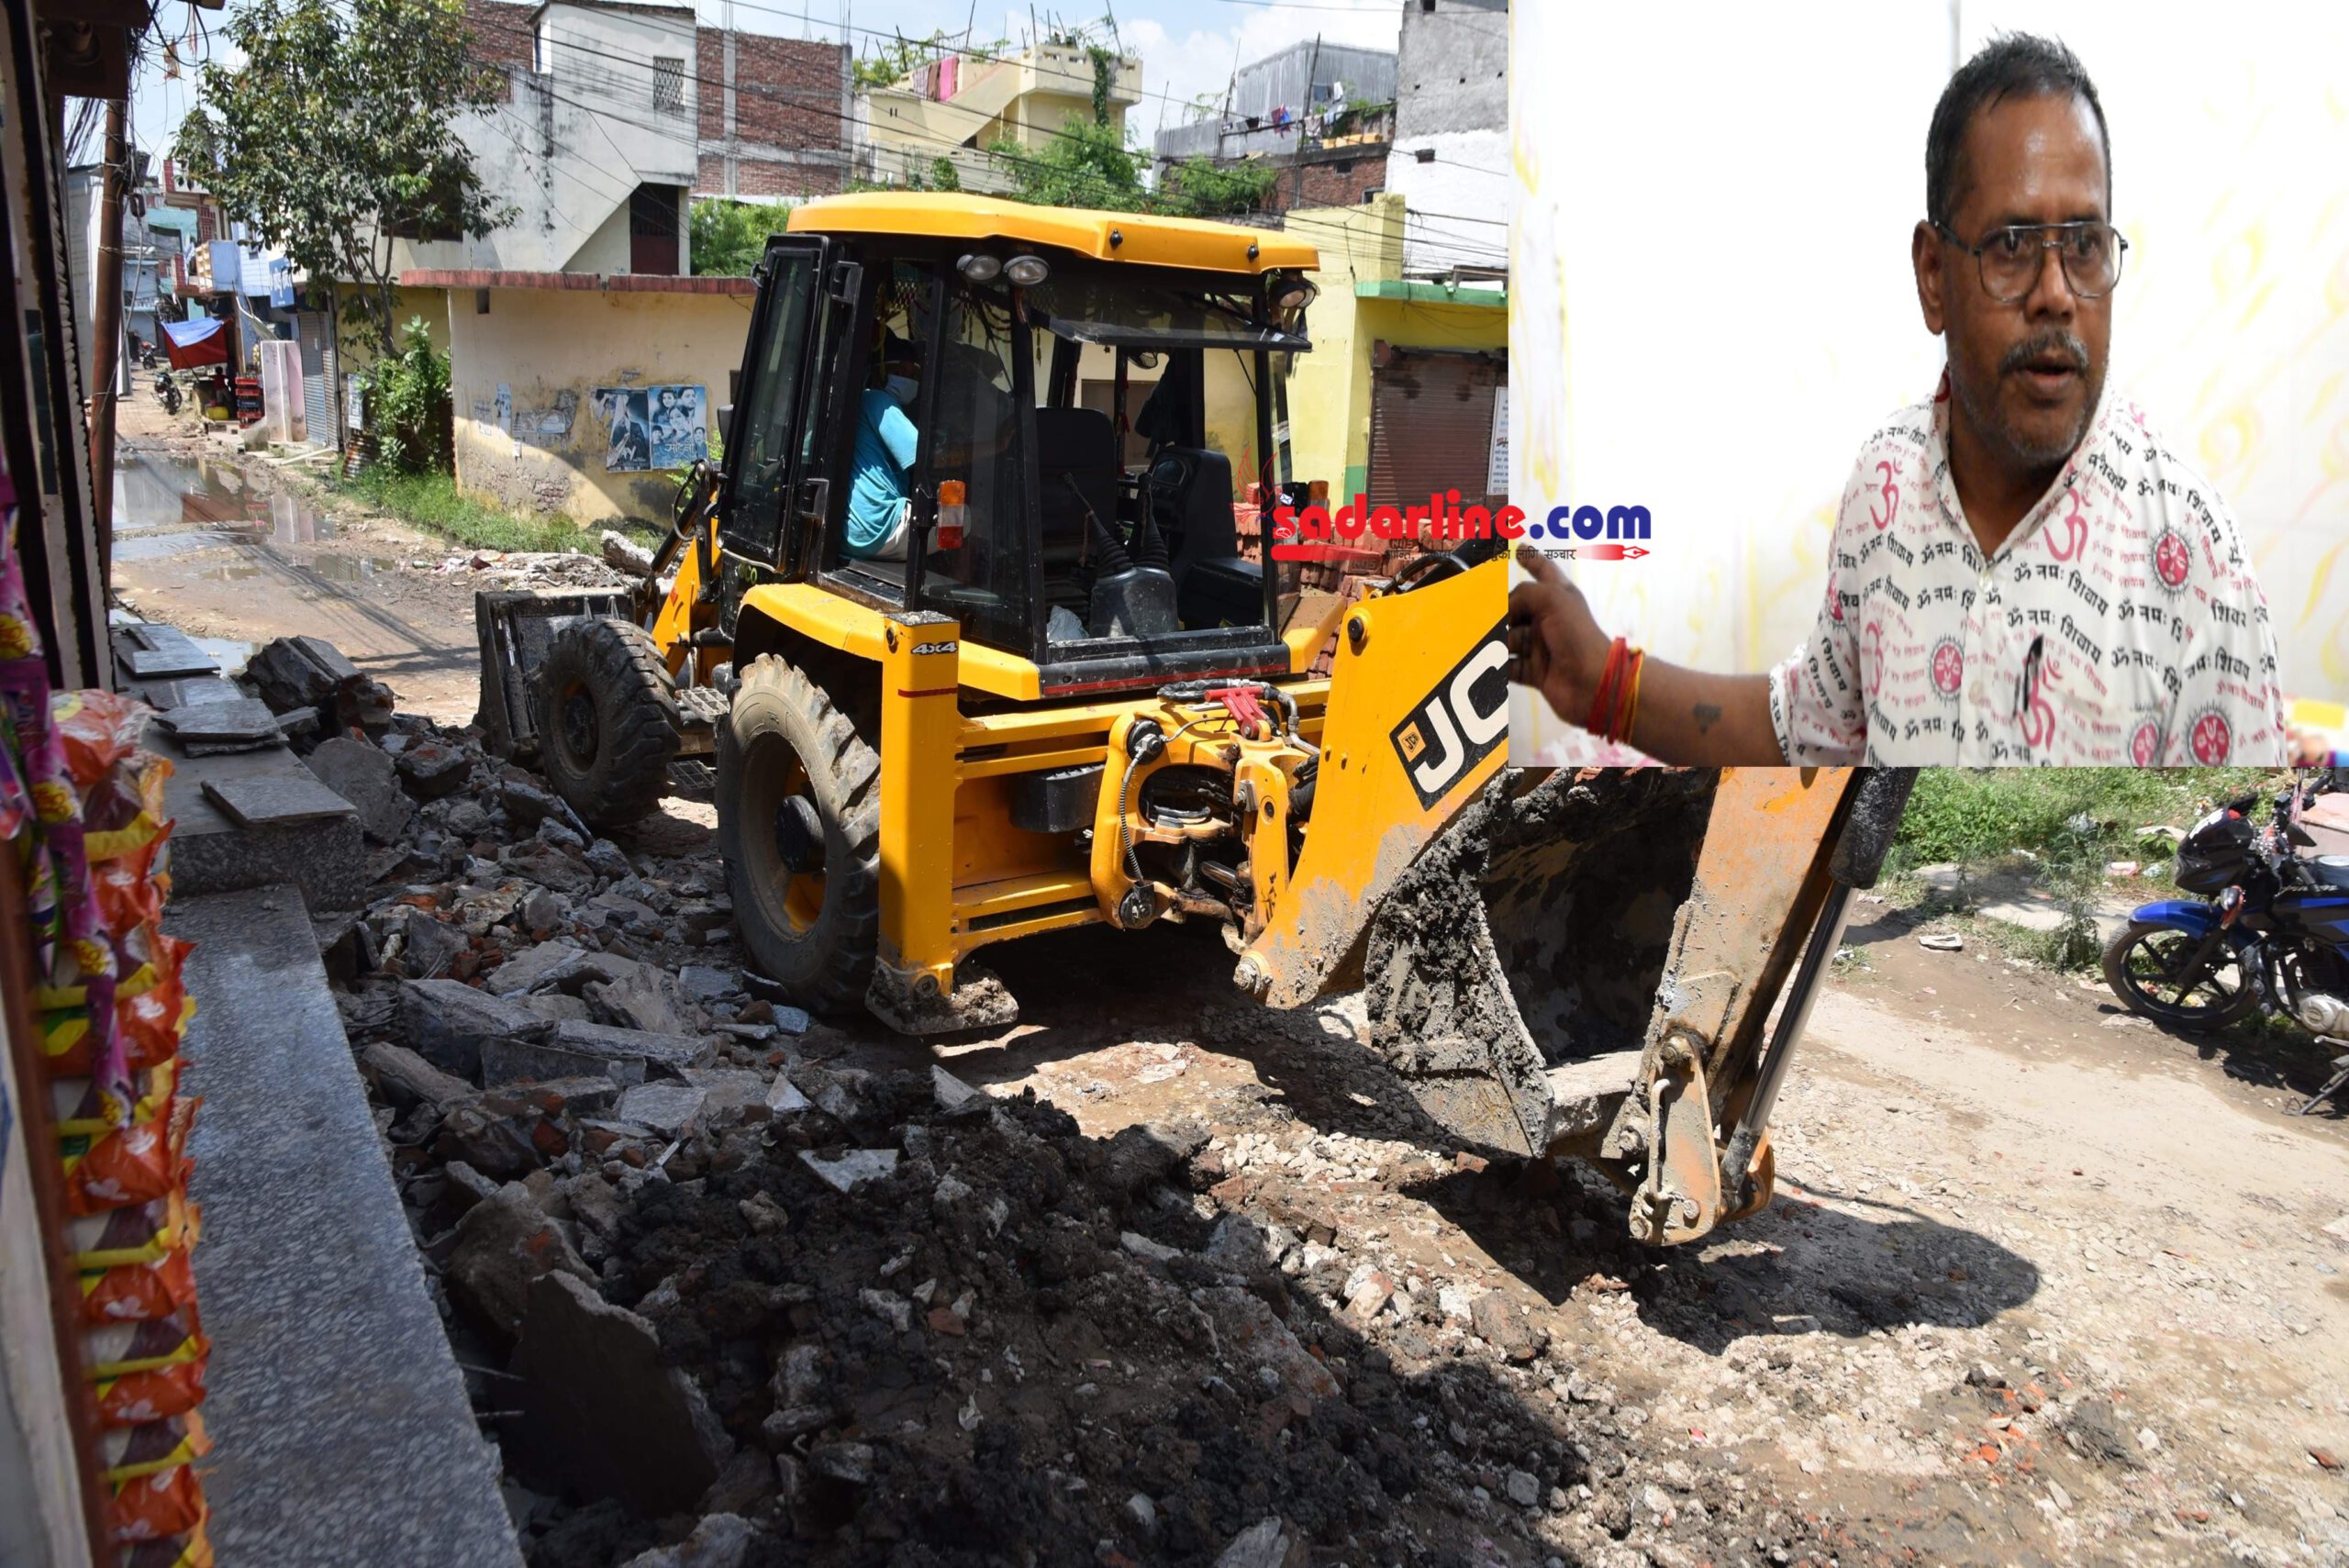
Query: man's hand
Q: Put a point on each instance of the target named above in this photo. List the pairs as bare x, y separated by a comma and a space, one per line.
1685, 716
1554, 643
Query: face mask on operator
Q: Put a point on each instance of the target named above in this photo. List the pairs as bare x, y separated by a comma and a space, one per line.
902, 388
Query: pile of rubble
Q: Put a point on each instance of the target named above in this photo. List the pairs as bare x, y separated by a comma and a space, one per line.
726, 1298
524, 569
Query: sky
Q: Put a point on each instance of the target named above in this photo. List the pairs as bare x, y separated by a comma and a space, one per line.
1187, 47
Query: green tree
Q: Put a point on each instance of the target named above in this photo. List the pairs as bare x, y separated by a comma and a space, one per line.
728, 237
337, 132
1213, 190
1085, 164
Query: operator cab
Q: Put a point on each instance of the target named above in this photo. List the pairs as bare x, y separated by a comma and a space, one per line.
1083, 421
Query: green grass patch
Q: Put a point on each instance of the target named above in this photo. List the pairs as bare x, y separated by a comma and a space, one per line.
1970, 815
432, 502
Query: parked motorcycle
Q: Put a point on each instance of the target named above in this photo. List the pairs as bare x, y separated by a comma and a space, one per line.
167, 392
2270, 930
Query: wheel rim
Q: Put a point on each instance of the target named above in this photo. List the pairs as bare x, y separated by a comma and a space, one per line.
576, 715
785, 841
2151, 970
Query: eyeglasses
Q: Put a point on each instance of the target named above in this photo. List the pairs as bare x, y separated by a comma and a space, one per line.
2013, 258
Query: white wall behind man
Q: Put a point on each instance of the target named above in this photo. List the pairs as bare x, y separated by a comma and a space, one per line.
1714, 304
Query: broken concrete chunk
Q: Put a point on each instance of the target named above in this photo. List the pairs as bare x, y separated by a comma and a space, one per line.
605, 858
1499, 1323
705, 984
784, 1097
1141, 1246
551, 966
1249, 1332
848, 1171
433, 771
602, 1414
956, 1098
1268, 1543
446, 1022
503, 1243
509, 1061
887, 1305
676, 1051
526, 805
297, 672
429, 946
851, 1462
670, 1108
363, 774
406, 1078
720, 1540
643, 1000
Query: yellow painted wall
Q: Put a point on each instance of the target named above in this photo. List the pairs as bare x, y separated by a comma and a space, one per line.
1329, 389
432, 305
546, 344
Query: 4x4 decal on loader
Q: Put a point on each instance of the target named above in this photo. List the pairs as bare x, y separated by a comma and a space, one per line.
1457, 725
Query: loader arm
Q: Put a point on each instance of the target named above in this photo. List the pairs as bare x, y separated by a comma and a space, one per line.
1417, 724
1585, 964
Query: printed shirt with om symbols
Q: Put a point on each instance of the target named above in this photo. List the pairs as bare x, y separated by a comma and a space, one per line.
2119, 623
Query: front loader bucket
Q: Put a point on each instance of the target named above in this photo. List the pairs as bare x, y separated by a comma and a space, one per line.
1512, 971
516, 626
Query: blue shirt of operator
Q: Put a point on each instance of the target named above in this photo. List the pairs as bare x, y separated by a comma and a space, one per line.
886, 443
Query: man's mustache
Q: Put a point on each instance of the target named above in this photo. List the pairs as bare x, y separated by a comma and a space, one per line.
2053, 344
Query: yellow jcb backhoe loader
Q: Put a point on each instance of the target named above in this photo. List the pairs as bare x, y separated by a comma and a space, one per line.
1071, 697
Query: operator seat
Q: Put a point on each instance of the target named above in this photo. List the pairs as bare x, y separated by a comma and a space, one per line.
1190, 500
1079, 444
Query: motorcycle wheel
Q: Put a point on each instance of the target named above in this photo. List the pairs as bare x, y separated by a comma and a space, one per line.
2143, 965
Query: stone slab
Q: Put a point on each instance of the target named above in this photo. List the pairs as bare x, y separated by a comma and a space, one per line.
207, 723
341, 1431
147, 651
276, 801
190, 691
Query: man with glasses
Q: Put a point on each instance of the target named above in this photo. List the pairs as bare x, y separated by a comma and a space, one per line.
2021, 572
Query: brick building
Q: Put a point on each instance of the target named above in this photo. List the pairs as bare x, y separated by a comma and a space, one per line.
775, 114
771, 114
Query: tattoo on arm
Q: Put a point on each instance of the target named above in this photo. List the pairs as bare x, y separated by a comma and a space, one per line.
1706, 715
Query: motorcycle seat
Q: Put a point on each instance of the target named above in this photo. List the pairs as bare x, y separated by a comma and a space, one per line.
2329, 871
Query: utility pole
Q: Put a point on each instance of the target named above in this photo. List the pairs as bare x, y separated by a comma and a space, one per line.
107, 331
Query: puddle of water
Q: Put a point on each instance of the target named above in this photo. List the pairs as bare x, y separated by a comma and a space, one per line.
348, 568
231, 653
232, 574
153, 493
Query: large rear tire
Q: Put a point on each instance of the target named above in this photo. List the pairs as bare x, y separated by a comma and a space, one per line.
608, 721
799, 826
2141, 965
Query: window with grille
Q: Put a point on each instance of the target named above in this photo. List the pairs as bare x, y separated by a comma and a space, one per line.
669, 84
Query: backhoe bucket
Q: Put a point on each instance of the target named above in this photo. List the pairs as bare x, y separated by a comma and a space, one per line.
1584, 964
1511, 973
516, 628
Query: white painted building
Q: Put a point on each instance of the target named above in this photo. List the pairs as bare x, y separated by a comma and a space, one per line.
84, 211
594, 145
1450, 160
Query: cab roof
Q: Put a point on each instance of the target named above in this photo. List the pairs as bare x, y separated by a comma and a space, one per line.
1195, 244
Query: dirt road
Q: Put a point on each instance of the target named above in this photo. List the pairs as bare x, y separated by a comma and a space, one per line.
2041, 1287
235, 552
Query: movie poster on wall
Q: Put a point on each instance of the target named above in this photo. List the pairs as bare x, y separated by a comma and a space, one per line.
653, 426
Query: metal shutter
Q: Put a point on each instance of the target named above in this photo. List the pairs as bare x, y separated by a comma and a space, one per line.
1431, 426
313, 329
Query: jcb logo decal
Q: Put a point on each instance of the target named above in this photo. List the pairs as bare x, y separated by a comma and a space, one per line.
1459, 723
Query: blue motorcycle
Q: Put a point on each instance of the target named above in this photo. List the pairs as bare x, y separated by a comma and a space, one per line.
2270, 930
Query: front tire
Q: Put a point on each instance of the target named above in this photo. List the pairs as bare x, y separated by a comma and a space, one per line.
607, 723
2141, 965
799, 826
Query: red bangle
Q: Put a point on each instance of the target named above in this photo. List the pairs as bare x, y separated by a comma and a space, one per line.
1629, 695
